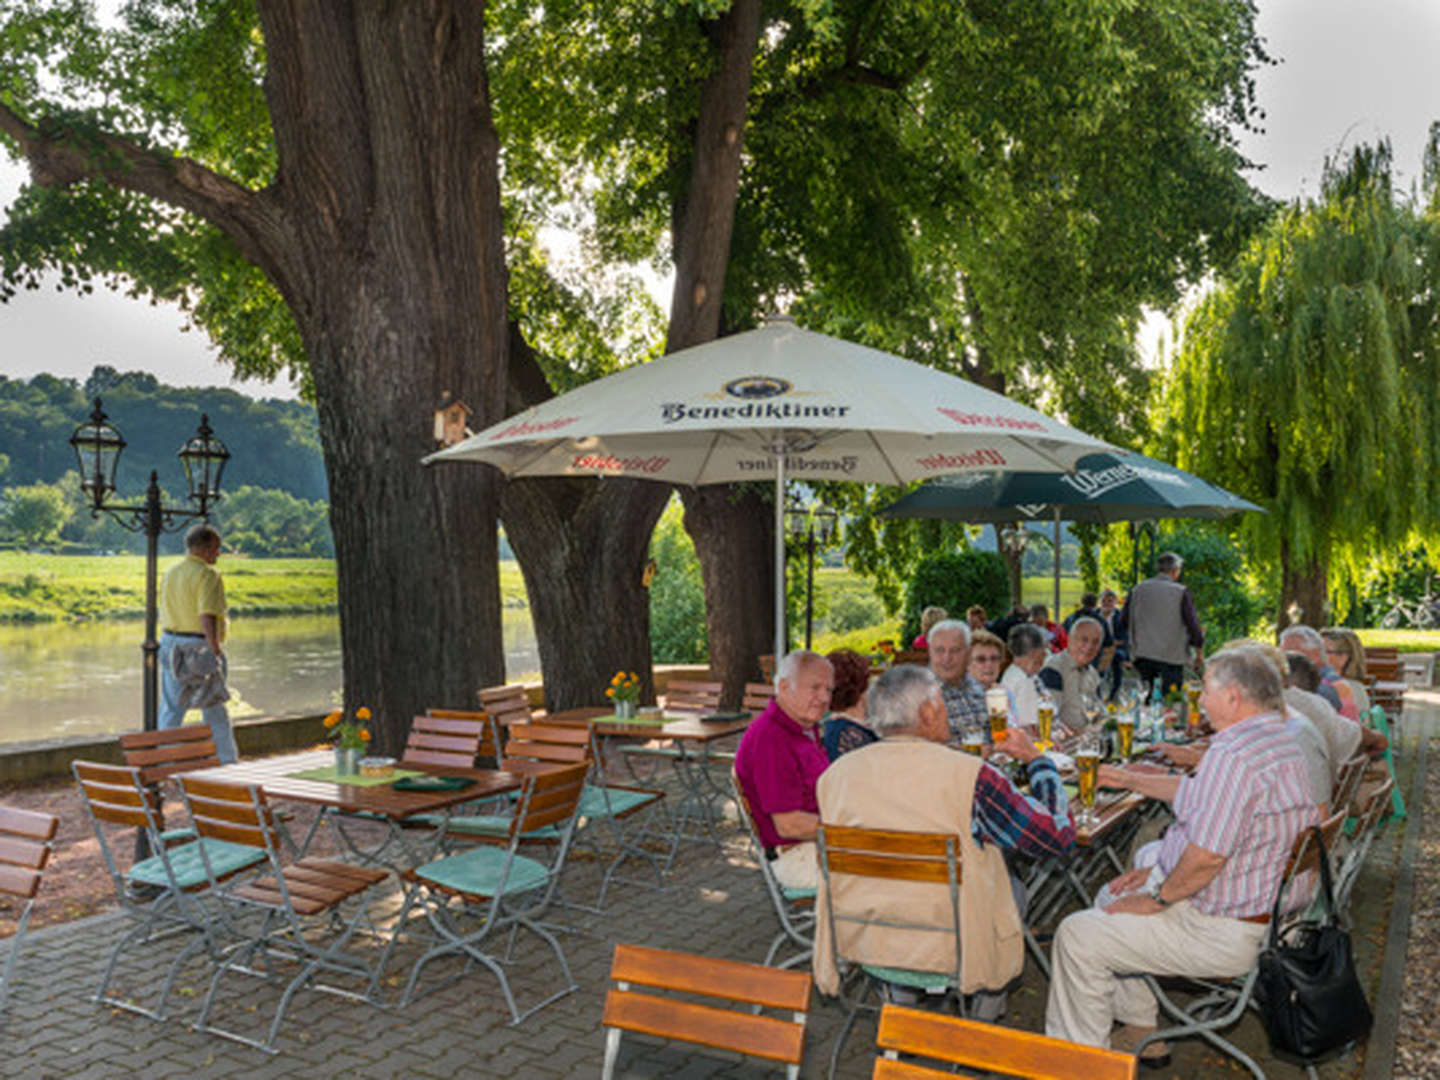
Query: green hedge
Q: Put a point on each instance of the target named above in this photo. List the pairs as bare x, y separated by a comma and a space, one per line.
955, 580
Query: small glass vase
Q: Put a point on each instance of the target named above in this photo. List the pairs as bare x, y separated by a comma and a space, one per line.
347, 760
625, 710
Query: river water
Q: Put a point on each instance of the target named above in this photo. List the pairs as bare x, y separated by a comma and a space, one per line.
83, 678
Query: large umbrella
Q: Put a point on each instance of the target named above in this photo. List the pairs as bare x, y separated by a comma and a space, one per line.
1105, 487
776, 402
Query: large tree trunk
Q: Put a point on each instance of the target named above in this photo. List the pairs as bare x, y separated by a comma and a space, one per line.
1303, 591
1014, 564
729, 533
396, 276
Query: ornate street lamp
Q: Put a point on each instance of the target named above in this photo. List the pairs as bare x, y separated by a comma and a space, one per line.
97, 451
814, 525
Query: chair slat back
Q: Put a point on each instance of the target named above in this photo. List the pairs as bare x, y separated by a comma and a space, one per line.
160, 754
549, 798
1347, 781
505, 705
990, 1047
767, 1037
489, 733
1304, 854
25, 837
688, 695
1382, 668
557, 744
115, 795
443, 741
758, 695
899, 856
1373, 807
223, 811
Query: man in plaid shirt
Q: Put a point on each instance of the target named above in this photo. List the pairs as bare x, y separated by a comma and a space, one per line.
1199, 902
963, 695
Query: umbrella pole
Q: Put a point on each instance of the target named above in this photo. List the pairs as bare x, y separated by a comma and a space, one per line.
779, 553
1055, 611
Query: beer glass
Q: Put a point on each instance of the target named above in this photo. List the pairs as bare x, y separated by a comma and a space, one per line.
997, 704
1192, 723
1125, 735
1045, 720
1087, 766
973, 741
1193, 689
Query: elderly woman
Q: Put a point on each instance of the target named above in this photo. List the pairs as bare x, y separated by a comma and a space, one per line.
845, 727
1347, 656
1028, 652
928, 618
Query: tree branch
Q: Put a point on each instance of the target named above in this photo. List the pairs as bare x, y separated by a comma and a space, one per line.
60, 155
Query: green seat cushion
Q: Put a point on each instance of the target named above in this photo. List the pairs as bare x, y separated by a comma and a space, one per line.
920, 980
478, 871
485, 825
595, 804
174, 836
189, 869
651, 751
797, 894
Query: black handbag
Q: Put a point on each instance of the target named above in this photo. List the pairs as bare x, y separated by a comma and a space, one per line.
1310, 998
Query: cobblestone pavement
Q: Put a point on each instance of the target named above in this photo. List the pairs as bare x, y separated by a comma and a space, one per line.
714, 905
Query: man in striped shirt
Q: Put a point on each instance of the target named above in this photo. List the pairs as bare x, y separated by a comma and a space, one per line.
1198, 902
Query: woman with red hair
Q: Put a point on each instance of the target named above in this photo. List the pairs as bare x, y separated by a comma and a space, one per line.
845, 727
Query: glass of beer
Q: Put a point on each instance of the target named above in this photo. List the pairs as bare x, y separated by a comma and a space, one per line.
1087, 766
1045, 721
1193, 723
997, 704
1192, 694
973, 741
1125, 735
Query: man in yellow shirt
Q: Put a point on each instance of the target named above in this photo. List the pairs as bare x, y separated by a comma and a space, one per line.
192, 611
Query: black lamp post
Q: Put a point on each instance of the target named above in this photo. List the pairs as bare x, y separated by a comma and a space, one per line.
97, 449
815, 525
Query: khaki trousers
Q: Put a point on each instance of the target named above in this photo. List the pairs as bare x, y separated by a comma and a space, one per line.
1096, 957
798, 866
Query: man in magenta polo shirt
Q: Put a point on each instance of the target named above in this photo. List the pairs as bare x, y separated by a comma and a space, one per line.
780, 759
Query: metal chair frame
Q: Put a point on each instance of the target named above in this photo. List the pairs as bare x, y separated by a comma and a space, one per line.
797, 924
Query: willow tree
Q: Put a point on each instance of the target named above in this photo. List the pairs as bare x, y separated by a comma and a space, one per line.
1306, 379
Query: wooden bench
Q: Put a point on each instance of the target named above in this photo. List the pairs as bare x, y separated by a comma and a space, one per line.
987, 1046
730, 981
25, 847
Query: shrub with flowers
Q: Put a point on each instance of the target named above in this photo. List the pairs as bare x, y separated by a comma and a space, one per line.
625, 686
350, 734
885, 650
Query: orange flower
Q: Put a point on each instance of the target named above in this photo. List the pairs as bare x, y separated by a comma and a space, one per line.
332, 719
610, 691
364, 735
362, 713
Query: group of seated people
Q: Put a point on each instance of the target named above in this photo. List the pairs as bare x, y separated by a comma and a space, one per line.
837, 748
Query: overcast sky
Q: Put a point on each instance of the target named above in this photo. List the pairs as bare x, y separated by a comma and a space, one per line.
1351, 71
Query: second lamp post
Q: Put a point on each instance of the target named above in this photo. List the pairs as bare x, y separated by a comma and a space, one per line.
814, 525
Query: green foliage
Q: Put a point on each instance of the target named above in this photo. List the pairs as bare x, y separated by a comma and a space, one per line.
274, 524
1409, 576
955, 580
853, 611
35, 513
1089, 535
677, 593
1306, 380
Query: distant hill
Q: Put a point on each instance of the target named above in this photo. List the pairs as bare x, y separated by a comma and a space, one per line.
274, 443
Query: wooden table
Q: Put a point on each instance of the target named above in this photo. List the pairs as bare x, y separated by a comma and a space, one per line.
274, 776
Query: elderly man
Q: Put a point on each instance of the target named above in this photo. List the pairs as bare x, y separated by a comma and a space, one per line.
1160, 623
1027, 656
192, 619
778, 762
1070, 676
950, 661
1198, 902
1308, 643
1344, 737
911, 781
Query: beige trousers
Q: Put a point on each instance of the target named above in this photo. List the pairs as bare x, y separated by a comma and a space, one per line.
1096, 957
798, 866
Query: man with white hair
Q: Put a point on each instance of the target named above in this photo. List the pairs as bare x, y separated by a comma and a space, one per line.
778, 762
1159, 621
910, 780
1070, 676
1200, 908
1307, 641
963, 694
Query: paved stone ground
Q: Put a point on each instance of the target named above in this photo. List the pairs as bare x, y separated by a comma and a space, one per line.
714, 905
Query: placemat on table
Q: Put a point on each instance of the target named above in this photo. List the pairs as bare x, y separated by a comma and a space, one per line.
330, 775
634, 721
425, 782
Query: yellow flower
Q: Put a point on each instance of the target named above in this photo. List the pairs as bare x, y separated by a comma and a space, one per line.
362, 713
610, 692
364, 735
332, 719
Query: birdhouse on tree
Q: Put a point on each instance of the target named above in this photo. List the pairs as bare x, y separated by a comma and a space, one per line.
450, 421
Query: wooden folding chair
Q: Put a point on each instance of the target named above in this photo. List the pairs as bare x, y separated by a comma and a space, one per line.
1380, 721
998, 1050
795, 908
175, 877
489, 751
1347, 782
505, 705
25, 847
299, 901
498, 888
1218, 1004
893, 855
168, 752
1369, 810
730, 981
758, 696
692, 696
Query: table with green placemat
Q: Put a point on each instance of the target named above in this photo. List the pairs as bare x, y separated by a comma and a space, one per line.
310, 777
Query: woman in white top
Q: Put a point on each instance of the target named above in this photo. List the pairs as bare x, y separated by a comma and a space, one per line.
1028, 650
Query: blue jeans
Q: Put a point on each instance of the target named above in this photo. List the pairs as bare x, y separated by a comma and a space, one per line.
171, 716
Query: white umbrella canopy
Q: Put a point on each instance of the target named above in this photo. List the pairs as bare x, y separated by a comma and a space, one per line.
770, 403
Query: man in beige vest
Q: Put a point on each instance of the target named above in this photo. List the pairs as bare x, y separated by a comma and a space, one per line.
910, 780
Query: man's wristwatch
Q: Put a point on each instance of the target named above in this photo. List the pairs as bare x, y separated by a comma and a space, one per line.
1154, 893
